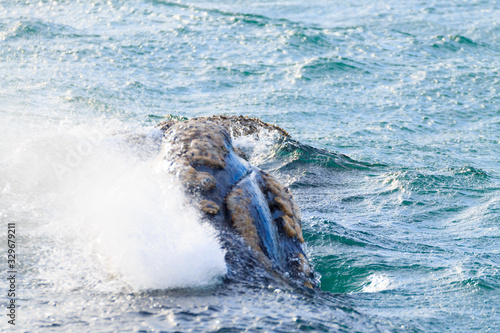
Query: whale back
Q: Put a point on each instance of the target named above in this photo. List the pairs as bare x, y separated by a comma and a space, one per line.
257, 218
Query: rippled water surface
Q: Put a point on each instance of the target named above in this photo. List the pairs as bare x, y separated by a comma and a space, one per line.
393, 110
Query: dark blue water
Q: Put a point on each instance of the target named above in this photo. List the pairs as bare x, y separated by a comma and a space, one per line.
393, 108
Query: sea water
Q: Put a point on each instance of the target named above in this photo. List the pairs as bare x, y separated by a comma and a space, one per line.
393, 108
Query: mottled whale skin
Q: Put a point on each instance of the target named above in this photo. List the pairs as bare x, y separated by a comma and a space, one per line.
256, 217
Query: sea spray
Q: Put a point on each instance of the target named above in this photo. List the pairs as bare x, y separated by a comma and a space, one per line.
141, 223
108, 212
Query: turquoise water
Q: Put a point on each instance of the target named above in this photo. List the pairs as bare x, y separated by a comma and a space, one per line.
393, 108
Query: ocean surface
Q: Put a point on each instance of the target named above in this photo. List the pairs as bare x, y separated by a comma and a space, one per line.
393, 107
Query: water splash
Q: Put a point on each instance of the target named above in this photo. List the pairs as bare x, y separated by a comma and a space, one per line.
377, 283
103, 208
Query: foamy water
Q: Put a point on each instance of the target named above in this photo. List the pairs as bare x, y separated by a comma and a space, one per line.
89, 196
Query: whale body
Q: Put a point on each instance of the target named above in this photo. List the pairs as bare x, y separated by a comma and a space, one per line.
256, 217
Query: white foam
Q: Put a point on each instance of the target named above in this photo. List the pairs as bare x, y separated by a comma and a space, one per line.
93, 199
378, 282
257, 146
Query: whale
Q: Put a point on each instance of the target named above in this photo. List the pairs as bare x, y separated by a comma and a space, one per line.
255, 216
